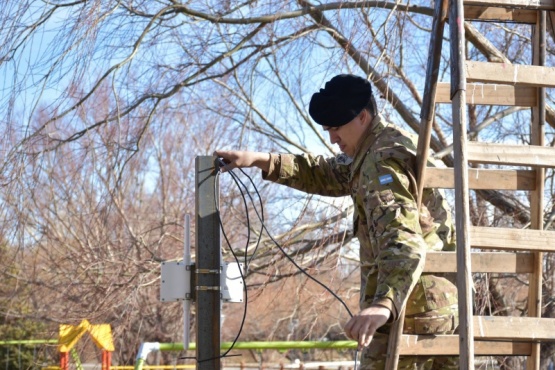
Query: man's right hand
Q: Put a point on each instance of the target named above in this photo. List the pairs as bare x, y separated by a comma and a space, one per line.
362, 326
239, 159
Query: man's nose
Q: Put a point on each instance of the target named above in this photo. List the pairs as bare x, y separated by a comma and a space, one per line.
334, 139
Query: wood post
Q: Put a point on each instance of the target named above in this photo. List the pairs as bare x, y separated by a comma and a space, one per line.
208, 262
537, 203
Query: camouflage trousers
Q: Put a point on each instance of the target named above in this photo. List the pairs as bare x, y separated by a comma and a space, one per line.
431, 309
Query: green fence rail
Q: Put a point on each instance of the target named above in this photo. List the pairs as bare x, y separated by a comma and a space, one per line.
149, 347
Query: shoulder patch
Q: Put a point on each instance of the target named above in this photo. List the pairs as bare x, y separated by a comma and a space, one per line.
385, 179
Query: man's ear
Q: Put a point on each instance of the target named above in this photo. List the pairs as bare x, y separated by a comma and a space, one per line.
364, 116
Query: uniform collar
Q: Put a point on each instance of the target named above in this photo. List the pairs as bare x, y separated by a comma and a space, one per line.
374, 130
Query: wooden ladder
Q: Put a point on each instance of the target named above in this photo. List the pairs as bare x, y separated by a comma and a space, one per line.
499, 83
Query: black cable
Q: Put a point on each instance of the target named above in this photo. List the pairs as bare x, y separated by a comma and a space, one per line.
225, 354
263, 226
238, 181
306, 273
246, 213
260, 216
287, 255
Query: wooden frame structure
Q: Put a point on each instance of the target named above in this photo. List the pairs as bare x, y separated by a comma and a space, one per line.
480, 83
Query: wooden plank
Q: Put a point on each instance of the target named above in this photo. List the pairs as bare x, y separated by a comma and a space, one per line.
462, 221
482, 178
492, 328
495, 262
510, 74
487, 13
514, 328
512, 239
517, 155
426, 345
491, 94
526, 4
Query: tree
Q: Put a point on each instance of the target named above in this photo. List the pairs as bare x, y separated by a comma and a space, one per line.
17, 319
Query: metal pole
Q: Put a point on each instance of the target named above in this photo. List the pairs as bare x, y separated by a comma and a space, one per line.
208, 263
273, 345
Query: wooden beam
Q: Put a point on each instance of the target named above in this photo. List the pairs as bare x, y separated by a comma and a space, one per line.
487, 13
437, 177
512, 239
491, 94
510, 74
527, 4
462, 209
492, 328
517, 155
496, 262
514, 328
537, 201
426, 345
208, 257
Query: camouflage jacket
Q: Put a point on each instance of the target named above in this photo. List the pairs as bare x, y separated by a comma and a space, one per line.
380, 179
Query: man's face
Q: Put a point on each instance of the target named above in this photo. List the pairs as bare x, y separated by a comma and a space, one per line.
349, 135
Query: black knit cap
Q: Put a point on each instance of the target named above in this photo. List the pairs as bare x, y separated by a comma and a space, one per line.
342, 99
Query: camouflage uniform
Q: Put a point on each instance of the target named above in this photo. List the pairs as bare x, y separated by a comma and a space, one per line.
393, 235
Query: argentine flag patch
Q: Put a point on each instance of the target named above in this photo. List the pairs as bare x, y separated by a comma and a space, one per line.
385, 179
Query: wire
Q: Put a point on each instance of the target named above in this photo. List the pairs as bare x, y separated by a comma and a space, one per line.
226, 353
263, 226
286, 254
260, 216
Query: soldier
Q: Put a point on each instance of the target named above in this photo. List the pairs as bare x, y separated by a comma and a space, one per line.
377, 169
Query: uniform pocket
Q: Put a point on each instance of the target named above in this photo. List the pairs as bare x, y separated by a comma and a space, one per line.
434, 325
439, 291
431, 293
375, 198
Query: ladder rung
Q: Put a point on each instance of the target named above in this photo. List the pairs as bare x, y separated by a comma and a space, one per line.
514, 4
517, 155
500, 14
496, 262
491, 94
449, 345
483, 178
514, 328
510, 74
512, 239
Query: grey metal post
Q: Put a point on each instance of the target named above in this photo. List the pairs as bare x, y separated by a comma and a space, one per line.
208, 262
